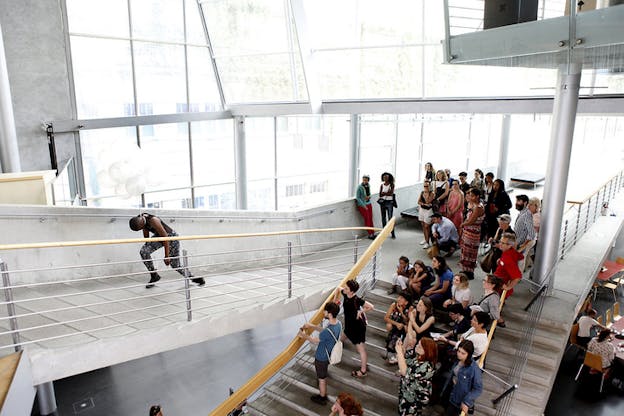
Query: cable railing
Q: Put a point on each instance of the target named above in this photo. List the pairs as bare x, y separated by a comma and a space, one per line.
583, 212
266, 374
38, 309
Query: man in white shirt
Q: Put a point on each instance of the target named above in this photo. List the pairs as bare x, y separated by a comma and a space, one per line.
586, 323
444, 234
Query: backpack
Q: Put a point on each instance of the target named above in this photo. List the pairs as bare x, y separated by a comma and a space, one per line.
336, 352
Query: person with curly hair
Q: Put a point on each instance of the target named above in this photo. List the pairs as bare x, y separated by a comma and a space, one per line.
346, 405
416, 367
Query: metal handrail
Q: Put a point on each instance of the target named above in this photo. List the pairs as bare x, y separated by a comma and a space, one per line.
268, 371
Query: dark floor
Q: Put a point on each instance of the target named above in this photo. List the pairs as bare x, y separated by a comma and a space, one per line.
188, 381
582, 398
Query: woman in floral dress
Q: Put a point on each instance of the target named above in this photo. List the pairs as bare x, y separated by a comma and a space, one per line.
416, 366
470, 232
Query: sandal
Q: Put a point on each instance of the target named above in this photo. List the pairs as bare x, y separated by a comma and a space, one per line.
501, 325
359, 374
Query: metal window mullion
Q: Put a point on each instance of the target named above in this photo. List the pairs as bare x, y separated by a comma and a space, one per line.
82, 190
213, 61
275, 183
188, 106
396, 142
291, 49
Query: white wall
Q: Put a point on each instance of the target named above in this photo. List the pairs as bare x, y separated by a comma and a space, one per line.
30, 224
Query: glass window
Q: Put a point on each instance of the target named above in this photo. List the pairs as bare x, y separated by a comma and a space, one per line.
262, 78
160, 76
216, 197
194, 28
261, 195
98, 17
213, 152
166, 151
95, 60
445, 141
485, 136
157, 20
203, 92
246, 26
377, 147
260, 143
527, 133
114, 167
408, 150
176, 199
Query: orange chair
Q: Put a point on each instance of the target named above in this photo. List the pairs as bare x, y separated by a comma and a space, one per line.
616, 311
600, 320
573, 339
619, 260
608, 317
594, 362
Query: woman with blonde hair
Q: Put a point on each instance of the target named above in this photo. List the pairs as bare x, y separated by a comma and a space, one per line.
441, 191
455, 206
460, 291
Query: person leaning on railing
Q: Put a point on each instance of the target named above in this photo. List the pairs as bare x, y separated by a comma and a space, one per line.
325, 341
477, 334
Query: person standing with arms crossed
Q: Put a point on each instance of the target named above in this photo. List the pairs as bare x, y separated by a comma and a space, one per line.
150, 223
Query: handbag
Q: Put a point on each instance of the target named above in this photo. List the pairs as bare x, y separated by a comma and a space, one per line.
433, 251
336, 353
489, 259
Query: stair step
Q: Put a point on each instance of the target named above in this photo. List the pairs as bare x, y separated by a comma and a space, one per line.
291, 400
266, 406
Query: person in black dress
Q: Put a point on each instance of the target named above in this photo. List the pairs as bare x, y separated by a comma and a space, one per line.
498, 203
355, 309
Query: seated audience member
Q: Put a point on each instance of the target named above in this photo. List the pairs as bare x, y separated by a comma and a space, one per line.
417, 368
421, 319
477, 333
346, 405
602, 346
507, 265
444, 234
504, 226
465, 383
441, 290
490, 301
460, 292
422, 279
461, 324
402, 275
586, 323
397, 318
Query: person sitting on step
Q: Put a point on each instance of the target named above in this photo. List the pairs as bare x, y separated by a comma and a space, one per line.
402, 276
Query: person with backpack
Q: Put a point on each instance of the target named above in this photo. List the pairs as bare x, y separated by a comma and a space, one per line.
328, 337
355, 309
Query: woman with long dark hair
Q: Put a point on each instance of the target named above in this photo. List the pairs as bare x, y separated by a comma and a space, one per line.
498, 203
465, 381
386, 198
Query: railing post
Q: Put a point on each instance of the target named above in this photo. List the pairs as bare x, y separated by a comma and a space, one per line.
565, 237
8, 296
355, 248
587, 216
289, 270
187, 284
578, 222
374, 267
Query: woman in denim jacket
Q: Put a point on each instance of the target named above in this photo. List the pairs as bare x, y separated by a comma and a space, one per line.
466, 381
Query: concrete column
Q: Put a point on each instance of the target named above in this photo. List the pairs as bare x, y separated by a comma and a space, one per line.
354, 154
240, 154
9, 150
562, 133
46, 398
501, 172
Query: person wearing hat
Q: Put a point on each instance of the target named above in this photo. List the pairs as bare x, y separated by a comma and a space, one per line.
362, 200
504, 226
444, 233
156, 410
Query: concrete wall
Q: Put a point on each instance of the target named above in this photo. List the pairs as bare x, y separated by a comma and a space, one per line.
35, 50
29, 224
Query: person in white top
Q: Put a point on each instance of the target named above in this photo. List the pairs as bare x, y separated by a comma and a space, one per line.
477, 333
386, 199
460, 291
586, 323
602, 346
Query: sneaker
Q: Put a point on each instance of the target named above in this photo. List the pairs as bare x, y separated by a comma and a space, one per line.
423, 242
393, 360
371, 237
317, 398
155, 277
199, 281
426, 246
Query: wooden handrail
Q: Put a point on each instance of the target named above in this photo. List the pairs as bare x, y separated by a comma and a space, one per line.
595, 192
176, 238
492, 329
262, 376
